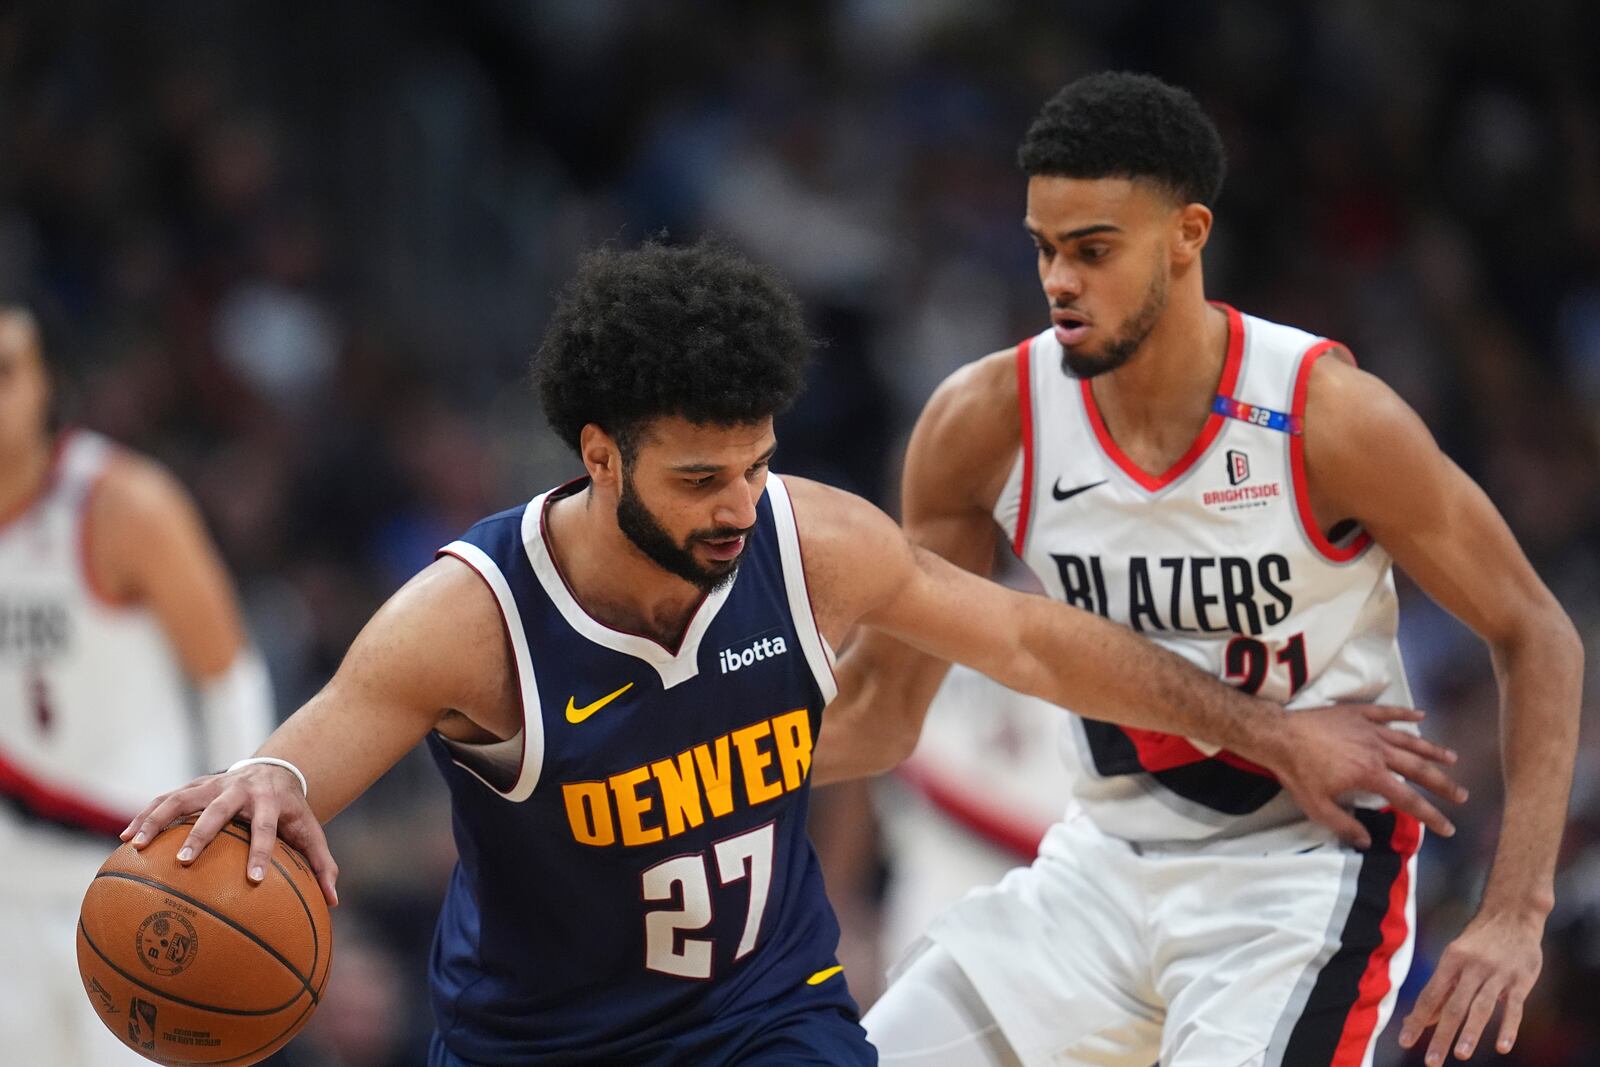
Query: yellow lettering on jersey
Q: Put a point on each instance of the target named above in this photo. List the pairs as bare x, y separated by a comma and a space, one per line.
772, 757
754, 762
631, 807
589, 812
680, 792
791, 732
716, 775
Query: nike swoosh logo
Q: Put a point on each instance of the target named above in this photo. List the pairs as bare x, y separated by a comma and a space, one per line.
823, 975
575, 715
1067, 494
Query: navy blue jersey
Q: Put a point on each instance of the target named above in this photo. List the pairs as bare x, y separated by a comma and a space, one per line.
634, 866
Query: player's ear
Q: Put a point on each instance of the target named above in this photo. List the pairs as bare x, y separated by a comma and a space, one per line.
602, 457
1193, 230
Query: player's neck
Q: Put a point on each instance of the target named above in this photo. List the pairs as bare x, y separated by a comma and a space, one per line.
611, 579
23, 476
1166, 389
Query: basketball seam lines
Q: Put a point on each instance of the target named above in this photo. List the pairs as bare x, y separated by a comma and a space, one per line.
147, 987
152, 883
316, 944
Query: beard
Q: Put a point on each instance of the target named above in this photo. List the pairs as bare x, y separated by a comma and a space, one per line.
645, 531
1121, 348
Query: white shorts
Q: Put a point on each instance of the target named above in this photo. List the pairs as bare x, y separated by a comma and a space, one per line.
1231, 954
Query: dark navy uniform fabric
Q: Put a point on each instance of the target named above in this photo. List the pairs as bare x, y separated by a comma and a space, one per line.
654, 899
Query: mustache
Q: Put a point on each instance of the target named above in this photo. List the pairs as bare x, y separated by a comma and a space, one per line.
721, 533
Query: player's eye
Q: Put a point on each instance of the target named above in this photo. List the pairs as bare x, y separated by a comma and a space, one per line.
1094, 252
698, 483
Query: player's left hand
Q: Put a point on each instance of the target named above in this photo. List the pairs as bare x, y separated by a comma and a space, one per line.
1327, 754
1496, 960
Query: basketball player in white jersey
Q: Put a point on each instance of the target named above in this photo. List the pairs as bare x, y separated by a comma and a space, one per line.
114, 609
1235, 490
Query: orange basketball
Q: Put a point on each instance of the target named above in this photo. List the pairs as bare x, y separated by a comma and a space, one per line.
198, 965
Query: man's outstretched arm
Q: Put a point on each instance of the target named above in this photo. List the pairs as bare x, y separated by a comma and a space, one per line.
865, 571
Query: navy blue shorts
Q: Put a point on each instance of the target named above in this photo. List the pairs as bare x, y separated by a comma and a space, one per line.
815, 1027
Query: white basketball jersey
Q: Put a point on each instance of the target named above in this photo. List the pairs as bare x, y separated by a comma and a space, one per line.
95, 714
1217, 559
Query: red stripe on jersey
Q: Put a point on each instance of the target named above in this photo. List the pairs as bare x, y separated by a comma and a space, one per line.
1363, 1017
1297, 466
1208, 432
975, 811
57, 805
1158, 751
1025, 400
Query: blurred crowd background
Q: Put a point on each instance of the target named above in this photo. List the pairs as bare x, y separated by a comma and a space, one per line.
302, 253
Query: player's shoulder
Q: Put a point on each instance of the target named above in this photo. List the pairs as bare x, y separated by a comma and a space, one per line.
828, 517
1346, 402
448, 613
136, 493
852, 551
967, 437
984, 391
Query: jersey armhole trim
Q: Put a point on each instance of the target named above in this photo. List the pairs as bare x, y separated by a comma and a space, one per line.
1297, 466
819, 656
532, 760
1025, 402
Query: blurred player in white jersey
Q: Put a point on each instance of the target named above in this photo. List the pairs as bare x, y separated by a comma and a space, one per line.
1237, 491
123, 663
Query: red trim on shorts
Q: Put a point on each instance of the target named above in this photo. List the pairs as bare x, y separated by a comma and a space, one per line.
1297, 466
976, 813
1025, 401
1208, 432
516, 671
57, 805
1363, 1017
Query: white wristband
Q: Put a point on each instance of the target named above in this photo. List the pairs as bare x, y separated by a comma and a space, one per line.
276, 762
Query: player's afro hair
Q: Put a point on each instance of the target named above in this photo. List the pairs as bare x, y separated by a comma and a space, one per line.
1121, 125
699, 332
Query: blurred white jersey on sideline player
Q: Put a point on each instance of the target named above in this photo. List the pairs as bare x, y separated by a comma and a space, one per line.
95, 718
95, 713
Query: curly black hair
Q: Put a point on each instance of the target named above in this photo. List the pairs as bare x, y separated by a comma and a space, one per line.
1121, 125
699, 332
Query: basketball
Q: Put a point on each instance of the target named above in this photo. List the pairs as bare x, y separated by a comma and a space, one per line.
198, 965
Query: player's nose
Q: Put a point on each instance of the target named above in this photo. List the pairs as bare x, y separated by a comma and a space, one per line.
736, 506
1062, 282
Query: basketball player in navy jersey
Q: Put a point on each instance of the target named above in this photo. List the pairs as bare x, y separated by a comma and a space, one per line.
114, 607
623, 682
1234, 490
